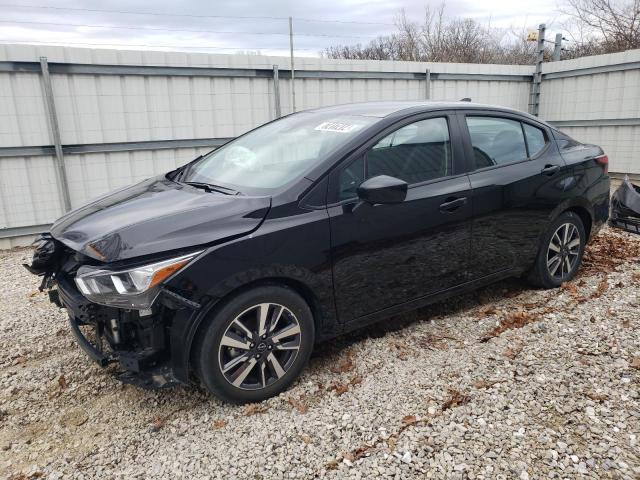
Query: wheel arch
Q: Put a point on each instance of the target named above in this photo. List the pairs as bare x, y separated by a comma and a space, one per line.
322, 315
585, 217
582, 208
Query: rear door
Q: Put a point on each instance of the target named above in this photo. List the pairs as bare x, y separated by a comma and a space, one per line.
517, 177
385, 255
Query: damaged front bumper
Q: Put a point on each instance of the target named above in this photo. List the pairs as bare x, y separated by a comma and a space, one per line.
113, 336
141, 344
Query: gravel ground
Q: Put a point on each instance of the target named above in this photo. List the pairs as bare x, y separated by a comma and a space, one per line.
507, 382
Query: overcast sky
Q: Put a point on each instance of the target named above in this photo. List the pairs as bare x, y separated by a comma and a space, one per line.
240, 25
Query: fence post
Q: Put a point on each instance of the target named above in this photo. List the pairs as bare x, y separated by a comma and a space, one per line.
427, 84
63, 184
537, 76
276, 91
293, 70
557, 49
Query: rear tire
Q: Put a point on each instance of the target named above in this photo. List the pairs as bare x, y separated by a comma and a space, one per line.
560, 253
255, 345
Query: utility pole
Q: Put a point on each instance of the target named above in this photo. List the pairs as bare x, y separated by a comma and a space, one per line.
557, 49
293, 75
537, 76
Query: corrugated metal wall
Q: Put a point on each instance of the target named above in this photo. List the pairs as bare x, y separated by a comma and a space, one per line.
97, 108
597, 100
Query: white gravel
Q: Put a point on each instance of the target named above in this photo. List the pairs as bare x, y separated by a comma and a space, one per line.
451, 391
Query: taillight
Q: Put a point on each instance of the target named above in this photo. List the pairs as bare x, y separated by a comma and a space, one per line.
604, 161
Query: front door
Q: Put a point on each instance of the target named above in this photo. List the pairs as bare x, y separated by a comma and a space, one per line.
385, 255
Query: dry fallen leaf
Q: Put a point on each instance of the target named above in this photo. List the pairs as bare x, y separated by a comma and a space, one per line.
512, 353
598, 397
481, 383
253, 409
218, 424
338, 387
158, 422
606, 252
602, 287
346, 365
486, 311
409, 420
299, 405
570, 287
517, 319
391, 443
456, 398
332, 464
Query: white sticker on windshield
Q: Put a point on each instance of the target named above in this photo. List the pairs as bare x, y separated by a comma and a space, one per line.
337, 127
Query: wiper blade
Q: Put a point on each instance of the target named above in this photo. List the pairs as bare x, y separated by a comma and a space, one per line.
209, 187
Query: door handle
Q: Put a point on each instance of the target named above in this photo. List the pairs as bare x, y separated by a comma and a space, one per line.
550, 169
453, 204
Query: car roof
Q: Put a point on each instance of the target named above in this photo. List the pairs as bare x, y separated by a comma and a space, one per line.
385, 109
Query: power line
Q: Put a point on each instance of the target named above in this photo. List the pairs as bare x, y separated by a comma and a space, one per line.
111, 44
343, 21
128, 12
180, 30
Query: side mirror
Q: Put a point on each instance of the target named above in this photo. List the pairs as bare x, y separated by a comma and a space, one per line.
383, 189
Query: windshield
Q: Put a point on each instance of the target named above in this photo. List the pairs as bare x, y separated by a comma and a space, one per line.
277, 152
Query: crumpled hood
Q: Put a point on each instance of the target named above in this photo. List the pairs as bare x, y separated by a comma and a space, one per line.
157, 215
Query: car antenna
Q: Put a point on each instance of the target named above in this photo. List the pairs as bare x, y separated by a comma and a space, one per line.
465, 99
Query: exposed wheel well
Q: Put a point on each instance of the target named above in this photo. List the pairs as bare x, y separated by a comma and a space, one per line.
585, 216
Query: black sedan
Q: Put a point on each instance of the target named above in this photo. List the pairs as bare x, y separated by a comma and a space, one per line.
229, 269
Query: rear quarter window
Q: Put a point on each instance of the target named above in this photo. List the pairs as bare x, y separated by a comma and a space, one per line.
536, 139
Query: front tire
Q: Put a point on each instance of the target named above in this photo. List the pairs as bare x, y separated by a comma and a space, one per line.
560, 253
256, 344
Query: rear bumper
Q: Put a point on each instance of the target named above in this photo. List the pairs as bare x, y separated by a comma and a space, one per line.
631, 225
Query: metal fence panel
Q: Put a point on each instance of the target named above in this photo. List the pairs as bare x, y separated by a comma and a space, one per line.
597, 100
127, 115
620, 143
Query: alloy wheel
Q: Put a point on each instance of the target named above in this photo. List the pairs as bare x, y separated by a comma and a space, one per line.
563, 251
259, 346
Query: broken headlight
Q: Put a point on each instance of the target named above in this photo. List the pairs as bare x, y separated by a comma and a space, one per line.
135, 288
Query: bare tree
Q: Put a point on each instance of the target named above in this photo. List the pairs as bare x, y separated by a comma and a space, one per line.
441, 39
594, 26
602, 26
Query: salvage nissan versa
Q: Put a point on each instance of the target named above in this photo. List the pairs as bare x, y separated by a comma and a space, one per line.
229, 269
